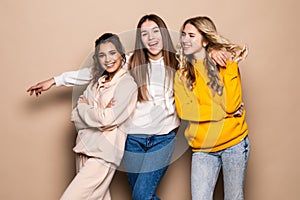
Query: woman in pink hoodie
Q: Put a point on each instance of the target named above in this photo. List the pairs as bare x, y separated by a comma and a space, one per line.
100, 112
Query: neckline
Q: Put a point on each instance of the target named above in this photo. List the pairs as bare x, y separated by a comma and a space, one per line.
116, 77
158, 60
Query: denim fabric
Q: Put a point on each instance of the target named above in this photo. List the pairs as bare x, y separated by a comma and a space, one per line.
206, 168
146, 160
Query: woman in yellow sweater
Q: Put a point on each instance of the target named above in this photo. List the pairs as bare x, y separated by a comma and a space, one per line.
210, 98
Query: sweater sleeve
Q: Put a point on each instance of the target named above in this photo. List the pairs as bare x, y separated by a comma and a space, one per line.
232, 87
189, 108
125, 97
71, 78
78, 121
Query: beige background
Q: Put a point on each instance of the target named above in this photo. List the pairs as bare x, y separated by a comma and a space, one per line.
42, 38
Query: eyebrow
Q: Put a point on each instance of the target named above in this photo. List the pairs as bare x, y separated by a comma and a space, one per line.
155, 27
189, 33
102, 52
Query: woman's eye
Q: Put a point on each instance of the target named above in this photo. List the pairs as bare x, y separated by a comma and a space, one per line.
113, 53
144, 34
100, 55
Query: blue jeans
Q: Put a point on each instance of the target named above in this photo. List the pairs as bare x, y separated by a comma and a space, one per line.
146, 160
206, 167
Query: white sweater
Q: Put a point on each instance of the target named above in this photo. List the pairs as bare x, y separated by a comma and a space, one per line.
154, 117
99, 128
157, 116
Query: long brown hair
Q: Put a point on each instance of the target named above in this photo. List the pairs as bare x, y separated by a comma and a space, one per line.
139, 61
98, 70
208, 30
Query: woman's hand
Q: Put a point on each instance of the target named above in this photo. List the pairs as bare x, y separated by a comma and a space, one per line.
240, 111
41, 87
111, 103
219, 57
82, 99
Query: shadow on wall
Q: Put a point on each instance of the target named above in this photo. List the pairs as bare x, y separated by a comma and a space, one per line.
48, 99
47, 119
54, 97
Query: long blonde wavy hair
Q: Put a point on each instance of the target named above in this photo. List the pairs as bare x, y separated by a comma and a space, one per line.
208, 30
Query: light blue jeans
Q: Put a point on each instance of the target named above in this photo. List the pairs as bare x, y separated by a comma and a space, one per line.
146, 160
206, 167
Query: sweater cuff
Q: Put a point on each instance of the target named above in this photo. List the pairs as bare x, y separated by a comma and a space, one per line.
59, 81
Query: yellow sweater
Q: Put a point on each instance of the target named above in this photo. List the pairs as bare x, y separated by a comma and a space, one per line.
212, 126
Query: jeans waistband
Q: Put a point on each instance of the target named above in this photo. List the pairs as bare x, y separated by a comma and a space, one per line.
150, 135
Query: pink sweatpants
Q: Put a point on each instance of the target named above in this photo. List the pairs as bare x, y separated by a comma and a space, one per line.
91, 181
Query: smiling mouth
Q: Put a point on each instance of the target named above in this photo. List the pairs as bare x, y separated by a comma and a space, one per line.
151, 44
109, 65
187, 46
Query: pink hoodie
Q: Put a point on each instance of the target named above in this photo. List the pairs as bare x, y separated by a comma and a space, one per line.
100, 132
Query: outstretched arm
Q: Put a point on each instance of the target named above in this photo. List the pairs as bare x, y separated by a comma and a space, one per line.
41, 87
71, 78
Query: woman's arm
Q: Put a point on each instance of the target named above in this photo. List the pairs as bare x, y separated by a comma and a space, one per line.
232, 87
218, 57
124, 102
41, 87
189, 108
79, 123
232, 84
71, 78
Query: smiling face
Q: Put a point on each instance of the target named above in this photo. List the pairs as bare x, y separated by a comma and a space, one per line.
152, 39
109, 57
193, 42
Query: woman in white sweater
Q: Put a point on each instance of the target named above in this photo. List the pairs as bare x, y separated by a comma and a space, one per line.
99, 115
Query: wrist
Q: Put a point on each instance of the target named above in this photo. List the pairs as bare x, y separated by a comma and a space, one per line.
52, 81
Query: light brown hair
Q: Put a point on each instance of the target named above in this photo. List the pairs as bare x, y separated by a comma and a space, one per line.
139, 61
98, 70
